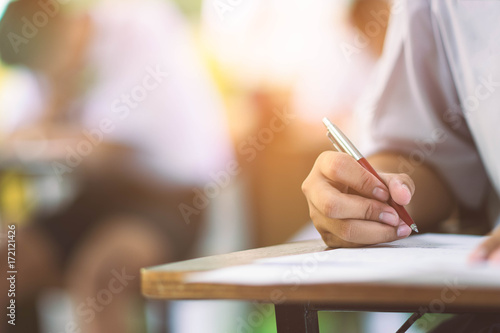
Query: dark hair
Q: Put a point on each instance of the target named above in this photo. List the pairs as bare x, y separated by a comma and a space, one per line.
27, 31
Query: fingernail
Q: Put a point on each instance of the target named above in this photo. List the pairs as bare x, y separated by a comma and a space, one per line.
389, 218
407, 189
403, 230
380, 194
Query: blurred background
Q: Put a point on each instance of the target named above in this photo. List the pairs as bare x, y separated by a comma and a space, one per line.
139, 132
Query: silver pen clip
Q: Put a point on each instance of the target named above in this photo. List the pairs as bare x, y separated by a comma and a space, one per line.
334, 142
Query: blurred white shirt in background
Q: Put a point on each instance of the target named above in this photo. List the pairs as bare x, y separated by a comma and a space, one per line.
147, 79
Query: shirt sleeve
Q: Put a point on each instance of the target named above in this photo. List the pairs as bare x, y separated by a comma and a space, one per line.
415, 107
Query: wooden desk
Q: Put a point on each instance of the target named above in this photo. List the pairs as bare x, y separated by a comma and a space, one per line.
297, 305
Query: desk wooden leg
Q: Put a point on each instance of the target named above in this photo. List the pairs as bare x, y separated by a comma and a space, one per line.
296, 319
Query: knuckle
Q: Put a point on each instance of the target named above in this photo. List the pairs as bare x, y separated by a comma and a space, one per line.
305, 185
330, 208
316, 220
337, 164
339, 160
324, 228
346, 232
405, 176
365, 182
330, 240
389, 236
324, 158
313, 214
369, 211
406, 179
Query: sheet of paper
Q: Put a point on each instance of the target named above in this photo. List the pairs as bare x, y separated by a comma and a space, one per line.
423, 259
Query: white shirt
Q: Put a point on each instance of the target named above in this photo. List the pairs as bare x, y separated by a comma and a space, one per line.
176, 121
437, 95
180, 126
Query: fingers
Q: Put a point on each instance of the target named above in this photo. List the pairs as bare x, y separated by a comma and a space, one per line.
342, 169
401, 187
354, 233
348, 204
488, 250
495, 256
333, 173
333, 204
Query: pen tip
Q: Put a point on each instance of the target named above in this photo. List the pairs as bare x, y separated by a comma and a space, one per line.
414, 227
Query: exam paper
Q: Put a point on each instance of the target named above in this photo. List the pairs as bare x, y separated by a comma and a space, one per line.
431, 259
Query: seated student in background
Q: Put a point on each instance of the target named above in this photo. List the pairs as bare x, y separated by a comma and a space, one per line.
434, 132
129, 65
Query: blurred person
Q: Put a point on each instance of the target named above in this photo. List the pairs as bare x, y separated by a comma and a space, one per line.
316, 56
120, 106
438, 86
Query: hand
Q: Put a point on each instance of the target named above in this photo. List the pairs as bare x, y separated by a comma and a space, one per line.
488, 249
348, 204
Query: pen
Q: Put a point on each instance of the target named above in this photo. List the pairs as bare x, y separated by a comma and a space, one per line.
344, 145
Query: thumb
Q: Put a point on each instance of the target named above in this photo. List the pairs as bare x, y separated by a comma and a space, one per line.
401, 187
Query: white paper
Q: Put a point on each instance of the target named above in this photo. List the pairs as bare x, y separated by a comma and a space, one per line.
432, 259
